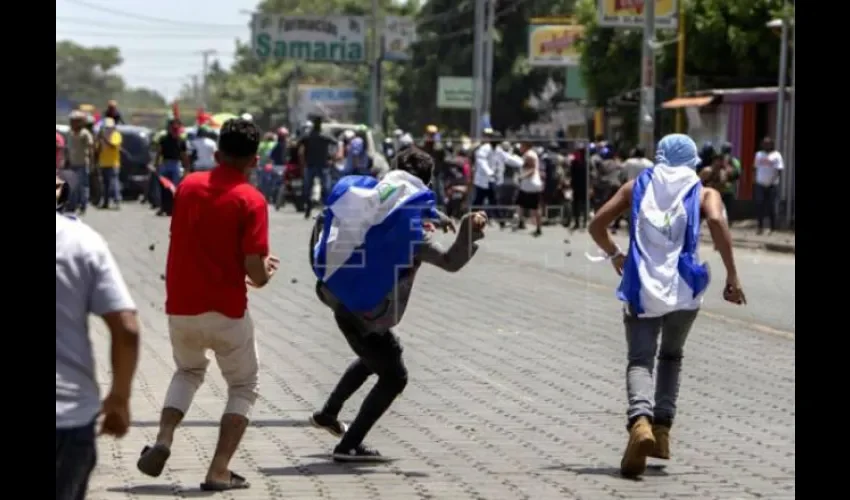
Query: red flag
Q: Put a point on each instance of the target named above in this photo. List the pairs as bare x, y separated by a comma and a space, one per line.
167, 184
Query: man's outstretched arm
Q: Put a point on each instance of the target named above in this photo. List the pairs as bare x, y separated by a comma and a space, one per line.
463, 248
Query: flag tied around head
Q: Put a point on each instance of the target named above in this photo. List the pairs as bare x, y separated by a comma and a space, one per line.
369, 235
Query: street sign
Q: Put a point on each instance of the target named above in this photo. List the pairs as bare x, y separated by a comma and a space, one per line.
455, 92
629, 13
554, 43
339, 39
399, 35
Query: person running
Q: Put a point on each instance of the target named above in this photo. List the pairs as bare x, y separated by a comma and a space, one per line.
219, 246
662, 285
369, 299
88, 281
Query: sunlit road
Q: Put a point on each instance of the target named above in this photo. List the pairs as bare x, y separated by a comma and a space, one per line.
516, 389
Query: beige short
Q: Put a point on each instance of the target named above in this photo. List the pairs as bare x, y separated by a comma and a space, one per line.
232, 341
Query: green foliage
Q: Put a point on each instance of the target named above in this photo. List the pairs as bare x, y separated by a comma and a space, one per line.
446, 49
260, 87
86, 75
727, 45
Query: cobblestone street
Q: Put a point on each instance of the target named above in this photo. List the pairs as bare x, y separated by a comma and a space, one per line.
516, 385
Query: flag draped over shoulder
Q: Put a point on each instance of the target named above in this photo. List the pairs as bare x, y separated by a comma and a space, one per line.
370, 233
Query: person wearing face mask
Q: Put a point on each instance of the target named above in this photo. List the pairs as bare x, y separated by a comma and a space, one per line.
662, 287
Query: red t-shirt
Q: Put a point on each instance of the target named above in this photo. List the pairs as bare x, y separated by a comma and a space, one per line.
218, 219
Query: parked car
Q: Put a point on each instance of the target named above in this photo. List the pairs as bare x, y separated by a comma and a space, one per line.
135, 157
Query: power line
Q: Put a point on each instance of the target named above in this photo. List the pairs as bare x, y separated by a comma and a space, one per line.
141, 27
141, 17
118, 34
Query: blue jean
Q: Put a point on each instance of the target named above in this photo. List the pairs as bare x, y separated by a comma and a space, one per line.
111, 186
310, 174
79, 198
655, 397
170, 169
76, 456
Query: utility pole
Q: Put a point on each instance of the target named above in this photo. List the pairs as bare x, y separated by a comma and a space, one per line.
375, 87
680, 68
487, 98
791, 164
205, 54
196, 90
646, 119
477, 71
779, 140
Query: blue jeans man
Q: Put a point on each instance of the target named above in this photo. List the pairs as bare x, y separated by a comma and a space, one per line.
111, 186
170, 169
79, 197
310, 174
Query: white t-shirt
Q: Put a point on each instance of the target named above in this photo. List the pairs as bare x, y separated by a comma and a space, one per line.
768, 166
533, 183
634, 166
88, 281
205, 148
483, 175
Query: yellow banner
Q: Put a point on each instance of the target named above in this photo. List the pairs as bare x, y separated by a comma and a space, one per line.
629, 13
554, 44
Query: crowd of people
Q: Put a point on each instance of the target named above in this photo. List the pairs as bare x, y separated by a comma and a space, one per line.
220, 213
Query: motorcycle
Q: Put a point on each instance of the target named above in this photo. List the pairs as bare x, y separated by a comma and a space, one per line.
291, 187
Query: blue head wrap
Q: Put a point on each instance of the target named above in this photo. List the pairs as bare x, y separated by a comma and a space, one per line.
677, 150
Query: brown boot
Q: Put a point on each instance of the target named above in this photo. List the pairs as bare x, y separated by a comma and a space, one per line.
641, 443
662, 442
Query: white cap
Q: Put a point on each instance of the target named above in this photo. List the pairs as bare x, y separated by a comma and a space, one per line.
348, 134
406, 140
398, 132
247, 116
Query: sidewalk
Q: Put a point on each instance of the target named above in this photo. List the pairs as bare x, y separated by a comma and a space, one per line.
744, 236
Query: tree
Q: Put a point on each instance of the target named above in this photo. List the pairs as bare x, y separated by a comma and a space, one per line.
83, 73
261, 87
86, 75
445, 48
727, 45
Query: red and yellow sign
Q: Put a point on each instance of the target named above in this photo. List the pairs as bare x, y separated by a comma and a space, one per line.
629, 13
554, 44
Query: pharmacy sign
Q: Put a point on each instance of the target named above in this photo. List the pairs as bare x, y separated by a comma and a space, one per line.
338, 39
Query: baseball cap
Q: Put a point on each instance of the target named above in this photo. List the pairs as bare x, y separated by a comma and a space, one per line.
431, 129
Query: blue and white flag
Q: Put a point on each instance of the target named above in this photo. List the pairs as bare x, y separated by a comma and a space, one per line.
369, 235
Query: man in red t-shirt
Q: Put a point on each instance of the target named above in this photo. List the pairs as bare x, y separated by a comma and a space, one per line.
219, 246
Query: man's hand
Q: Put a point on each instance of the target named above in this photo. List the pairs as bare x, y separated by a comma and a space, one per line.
733, 292
272, 264
115, 413
618, 261
479, 221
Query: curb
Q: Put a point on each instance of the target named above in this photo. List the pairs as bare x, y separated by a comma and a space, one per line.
786, 248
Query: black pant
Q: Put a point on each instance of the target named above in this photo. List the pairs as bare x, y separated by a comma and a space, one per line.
579, 208
378, 353
488, 195
766, 205
76, 455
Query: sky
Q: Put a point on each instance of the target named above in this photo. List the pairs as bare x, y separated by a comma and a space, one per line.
160, 40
